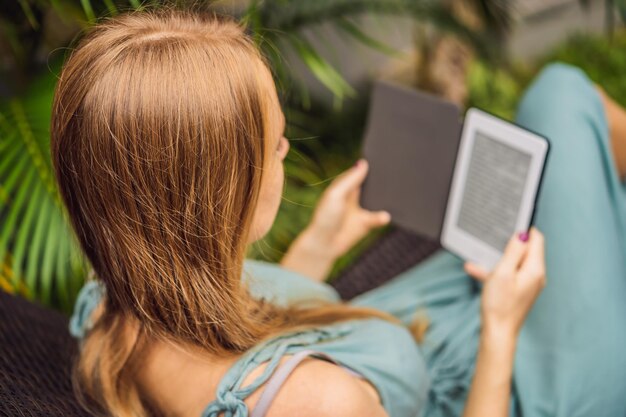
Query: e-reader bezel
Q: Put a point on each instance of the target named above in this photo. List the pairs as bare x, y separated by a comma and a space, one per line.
458, 240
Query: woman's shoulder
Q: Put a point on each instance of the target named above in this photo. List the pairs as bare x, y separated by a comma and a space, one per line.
319, 388
387, 356
380, 366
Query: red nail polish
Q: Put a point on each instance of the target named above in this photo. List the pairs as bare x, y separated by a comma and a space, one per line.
523, 236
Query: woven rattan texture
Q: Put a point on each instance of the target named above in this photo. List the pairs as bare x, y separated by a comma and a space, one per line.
36, 354
393, 253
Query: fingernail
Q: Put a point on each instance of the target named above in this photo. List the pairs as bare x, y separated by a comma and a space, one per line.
357, 163
523, 236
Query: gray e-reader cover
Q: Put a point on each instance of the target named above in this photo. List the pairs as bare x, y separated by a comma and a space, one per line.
411, 144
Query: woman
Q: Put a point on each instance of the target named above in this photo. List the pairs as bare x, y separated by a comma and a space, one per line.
167, 143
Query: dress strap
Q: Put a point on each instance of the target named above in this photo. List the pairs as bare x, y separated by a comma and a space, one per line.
231, 394
276, 382
89, 297
278, 379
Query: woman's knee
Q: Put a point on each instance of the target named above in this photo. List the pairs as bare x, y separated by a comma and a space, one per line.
555, 89
560, 101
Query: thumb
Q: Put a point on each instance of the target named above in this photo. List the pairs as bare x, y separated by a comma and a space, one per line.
378, 218
351, 179
475, 271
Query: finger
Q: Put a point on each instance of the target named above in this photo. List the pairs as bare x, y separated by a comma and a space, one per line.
377, 218
536, 244
513, 253
534, 263
354, 196
352, 179
477, 272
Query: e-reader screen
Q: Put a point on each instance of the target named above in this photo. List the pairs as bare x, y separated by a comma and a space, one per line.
493, 191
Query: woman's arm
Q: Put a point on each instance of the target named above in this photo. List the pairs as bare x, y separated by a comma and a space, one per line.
491, 388
509, 293
338, 223
308, 256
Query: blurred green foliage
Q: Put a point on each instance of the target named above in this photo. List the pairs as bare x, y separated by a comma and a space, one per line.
498, 89
38, 256
603, 59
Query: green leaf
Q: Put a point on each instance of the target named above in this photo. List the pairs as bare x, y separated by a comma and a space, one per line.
322, 70
111, 7
24, 232
37, 246
88, 9
354, 31
252, 19
49, 256
34, 231
13, 177
40, 160
29, 14
9, 153
63, 273
11, 220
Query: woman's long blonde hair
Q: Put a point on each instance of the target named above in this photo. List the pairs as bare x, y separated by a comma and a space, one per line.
158, 139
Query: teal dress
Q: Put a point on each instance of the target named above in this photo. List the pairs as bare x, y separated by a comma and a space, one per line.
570, 359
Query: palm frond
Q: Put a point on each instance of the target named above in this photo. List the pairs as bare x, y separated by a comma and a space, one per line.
28, 12
36, 243
273, 20
88, 8
322, 69
355, 32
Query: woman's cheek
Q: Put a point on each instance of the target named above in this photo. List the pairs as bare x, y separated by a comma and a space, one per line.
277, 188
269, 202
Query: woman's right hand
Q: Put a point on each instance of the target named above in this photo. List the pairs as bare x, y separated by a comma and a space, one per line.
510, 290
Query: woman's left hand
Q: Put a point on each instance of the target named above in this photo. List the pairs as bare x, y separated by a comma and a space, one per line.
338, 223
510, 290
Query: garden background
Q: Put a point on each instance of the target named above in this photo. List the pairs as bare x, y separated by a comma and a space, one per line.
325, 55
